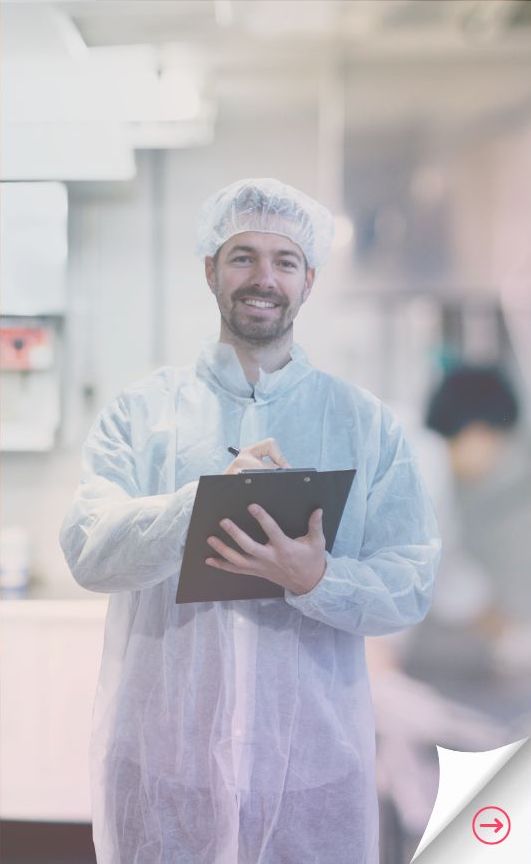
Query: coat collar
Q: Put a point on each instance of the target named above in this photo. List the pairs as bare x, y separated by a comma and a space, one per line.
219, 364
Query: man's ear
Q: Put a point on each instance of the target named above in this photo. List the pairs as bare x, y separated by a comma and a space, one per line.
210, 273
308, 283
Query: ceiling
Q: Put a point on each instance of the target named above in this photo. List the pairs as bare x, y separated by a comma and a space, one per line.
432, 58
443, 67
378, 24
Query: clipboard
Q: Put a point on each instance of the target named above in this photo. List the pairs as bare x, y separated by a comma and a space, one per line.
288, 495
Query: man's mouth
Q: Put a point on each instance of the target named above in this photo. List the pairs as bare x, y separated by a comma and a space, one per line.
259, 304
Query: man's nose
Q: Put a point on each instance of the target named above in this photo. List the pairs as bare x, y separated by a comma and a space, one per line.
264, 274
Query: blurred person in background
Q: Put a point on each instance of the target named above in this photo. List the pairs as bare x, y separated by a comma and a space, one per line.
462, 678
477, 639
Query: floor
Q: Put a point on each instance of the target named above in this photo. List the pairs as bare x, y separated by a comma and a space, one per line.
45, 843
58, 843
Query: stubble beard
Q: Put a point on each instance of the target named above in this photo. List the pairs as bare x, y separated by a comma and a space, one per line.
259, 332
256, 332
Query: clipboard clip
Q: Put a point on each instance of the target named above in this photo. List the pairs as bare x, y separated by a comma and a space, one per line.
259, 471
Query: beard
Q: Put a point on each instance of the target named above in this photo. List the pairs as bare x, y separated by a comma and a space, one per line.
257, 329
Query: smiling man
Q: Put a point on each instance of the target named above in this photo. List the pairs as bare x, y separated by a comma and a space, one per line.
263, 280
242, 732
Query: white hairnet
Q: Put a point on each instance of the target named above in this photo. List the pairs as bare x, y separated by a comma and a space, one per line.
268, 206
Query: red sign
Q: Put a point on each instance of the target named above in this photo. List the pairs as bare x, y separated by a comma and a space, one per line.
25, 348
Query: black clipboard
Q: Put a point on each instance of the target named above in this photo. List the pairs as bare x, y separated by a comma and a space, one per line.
289, 496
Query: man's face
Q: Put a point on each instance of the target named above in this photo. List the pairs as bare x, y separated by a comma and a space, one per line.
260, 282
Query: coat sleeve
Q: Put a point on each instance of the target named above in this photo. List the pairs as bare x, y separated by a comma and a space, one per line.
113, 537
388, 586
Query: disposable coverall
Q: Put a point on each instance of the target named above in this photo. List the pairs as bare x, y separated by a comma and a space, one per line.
241, 732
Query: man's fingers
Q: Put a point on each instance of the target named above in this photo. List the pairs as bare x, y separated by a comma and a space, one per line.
246, 461
227, 552
315, 524
220, 564
267, 523
251, 458
250, 546
268, 447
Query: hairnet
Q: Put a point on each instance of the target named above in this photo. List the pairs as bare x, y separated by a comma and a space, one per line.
268, 206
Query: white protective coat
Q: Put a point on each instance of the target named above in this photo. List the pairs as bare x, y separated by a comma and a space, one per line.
241, 732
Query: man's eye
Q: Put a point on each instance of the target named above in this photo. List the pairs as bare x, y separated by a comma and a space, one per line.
241, 259
287, 264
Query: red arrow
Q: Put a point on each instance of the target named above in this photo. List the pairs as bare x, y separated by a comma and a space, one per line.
496, 825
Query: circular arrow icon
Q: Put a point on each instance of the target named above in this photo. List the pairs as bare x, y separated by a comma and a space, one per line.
491, 825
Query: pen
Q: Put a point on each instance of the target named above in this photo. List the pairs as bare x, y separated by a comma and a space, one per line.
234, 451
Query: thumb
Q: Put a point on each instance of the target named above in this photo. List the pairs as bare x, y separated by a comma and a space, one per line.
315, 524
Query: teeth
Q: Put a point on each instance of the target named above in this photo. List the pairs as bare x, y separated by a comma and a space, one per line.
262, 304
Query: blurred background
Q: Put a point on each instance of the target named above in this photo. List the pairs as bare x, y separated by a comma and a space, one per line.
411, 120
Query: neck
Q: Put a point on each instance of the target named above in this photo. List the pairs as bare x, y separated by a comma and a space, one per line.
269, 357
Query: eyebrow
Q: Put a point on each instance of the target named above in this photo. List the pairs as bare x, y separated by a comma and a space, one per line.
281, 252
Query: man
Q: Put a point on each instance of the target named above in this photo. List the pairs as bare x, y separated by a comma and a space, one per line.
241, 732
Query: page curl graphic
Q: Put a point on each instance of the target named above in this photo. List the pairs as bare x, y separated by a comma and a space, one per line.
469, 782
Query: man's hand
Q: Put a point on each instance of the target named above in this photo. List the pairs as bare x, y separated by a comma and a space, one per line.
250, 458
297, 565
